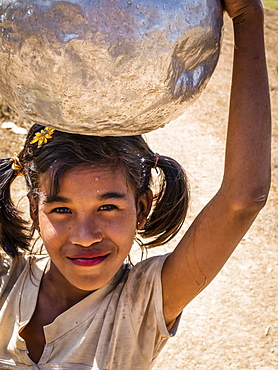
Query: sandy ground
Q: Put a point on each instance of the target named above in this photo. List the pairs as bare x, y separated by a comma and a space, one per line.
233, 323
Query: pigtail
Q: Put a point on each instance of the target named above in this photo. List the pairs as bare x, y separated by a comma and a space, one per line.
171, 203
12, 227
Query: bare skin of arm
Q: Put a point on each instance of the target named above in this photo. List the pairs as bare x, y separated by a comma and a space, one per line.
218, 229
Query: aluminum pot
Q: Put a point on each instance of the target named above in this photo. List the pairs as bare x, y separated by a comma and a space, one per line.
106, 67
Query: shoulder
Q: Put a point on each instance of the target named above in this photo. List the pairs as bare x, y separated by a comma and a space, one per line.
148, 267
143, 296
12, 268
144, 278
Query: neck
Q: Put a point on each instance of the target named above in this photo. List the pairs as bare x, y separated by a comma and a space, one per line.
57, 289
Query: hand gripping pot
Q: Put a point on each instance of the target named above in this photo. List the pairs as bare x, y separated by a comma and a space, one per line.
107, 67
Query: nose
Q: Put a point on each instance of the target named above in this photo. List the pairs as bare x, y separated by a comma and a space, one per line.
85, 232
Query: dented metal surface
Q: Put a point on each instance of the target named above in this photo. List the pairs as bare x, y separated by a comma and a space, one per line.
106, 67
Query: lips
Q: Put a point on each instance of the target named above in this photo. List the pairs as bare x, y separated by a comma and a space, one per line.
88, 259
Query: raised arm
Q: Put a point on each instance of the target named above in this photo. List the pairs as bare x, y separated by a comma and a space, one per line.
217, 230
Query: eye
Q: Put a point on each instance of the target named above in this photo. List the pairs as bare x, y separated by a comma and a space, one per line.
61, 210
108, 207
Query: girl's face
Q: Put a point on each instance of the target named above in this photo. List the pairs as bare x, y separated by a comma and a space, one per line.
88, 228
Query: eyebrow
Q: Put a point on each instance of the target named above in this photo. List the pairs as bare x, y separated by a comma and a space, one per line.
56, 198
105, 196
111, 195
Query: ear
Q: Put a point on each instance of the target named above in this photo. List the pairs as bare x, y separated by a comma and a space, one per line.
144, 205
33, 210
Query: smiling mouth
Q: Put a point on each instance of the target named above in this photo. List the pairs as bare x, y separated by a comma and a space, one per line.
88, 261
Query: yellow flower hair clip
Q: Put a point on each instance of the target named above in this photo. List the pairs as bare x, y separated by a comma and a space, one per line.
42, 137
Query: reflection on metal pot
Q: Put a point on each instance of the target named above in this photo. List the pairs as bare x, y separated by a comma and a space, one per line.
106, 67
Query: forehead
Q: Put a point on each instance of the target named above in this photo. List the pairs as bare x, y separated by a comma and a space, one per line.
86, 177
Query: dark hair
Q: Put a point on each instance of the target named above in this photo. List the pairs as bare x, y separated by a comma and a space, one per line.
65, 151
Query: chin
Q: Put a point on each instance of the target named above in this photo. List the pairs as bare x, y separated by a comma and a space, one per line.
89, 284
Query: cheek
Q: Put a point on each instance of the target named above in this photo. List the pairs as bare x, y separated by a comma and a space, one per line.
123, 229
49, 230
120, 229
